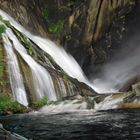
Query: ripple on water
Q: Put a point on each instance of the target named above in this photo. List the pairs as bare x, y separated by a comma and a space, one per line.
85, 125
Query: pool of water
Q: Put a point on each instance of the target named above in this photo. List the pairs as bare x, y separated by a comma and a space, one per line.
82, 125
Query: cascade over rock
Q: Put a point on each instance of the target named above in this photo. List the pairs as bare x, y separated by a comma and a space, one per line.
33, 73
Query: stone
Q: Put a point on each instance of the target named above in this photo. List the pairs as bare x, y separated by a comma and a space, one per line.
6, 135
136, 88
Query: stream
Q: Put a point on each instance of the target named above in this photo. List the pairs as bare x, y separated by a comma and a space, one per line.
79, 125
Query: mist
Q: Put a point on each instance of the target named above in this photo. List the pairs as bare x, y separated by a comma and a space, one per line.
122, 67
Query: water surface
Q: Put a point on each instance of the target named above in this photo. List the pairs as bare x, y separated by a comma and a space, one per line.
85, 125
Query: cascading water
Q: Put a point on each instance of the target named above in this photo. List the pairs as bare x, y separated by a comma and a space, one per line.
65, 61
41, 76
15, 76
42, 80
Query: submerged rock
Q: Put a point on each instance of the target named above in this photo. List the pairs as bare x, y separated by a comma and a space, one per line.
6, 135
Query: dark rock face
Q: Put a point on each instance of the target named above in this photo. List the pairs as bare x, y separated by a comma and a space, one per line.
84, 27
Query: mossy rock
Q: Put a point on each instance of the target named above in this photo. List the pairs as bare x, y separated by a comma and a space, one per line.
9, 106
39, 103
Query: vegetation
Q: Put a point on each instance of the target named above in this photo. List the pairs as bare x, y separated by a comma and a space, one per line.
40, 103
45, 13
7, 105
56, 27
30, 49
2, 29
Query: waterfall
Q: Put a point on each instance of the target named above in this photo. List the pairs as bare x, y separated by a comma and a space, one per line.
64, 60
43, 85
42, 80
15, 76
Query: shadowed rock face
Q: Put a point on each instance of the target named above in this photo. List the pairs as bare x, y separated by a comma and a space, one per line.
82, 24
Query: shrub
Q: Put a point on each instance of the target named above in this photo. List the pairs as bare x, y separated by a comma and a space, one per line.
8, 105
39, 103
56, 27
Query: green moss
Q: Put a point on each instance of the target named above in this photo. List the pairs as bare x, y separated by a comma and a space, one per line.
40, 103
24, 40
2, 29
30, 50
8, 105
56, 27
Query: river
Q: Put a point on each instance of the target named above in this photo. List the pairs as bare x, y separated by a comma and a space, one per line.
80, 125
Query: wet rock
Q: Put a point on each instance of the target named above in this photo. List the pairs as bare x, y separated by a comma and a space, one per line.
136, 88
127, 86
6, 135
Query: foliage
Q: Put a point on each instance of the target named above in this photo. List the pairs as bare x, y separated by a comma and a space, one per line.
2, 29
8, 105
53, 26
45, 13
56, 27
40, 103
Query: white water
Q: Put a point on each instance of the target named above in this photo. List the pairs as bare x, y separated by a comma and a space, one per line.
15, 76
108, 103
65, 106
42, 80
64, 60
63, 89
